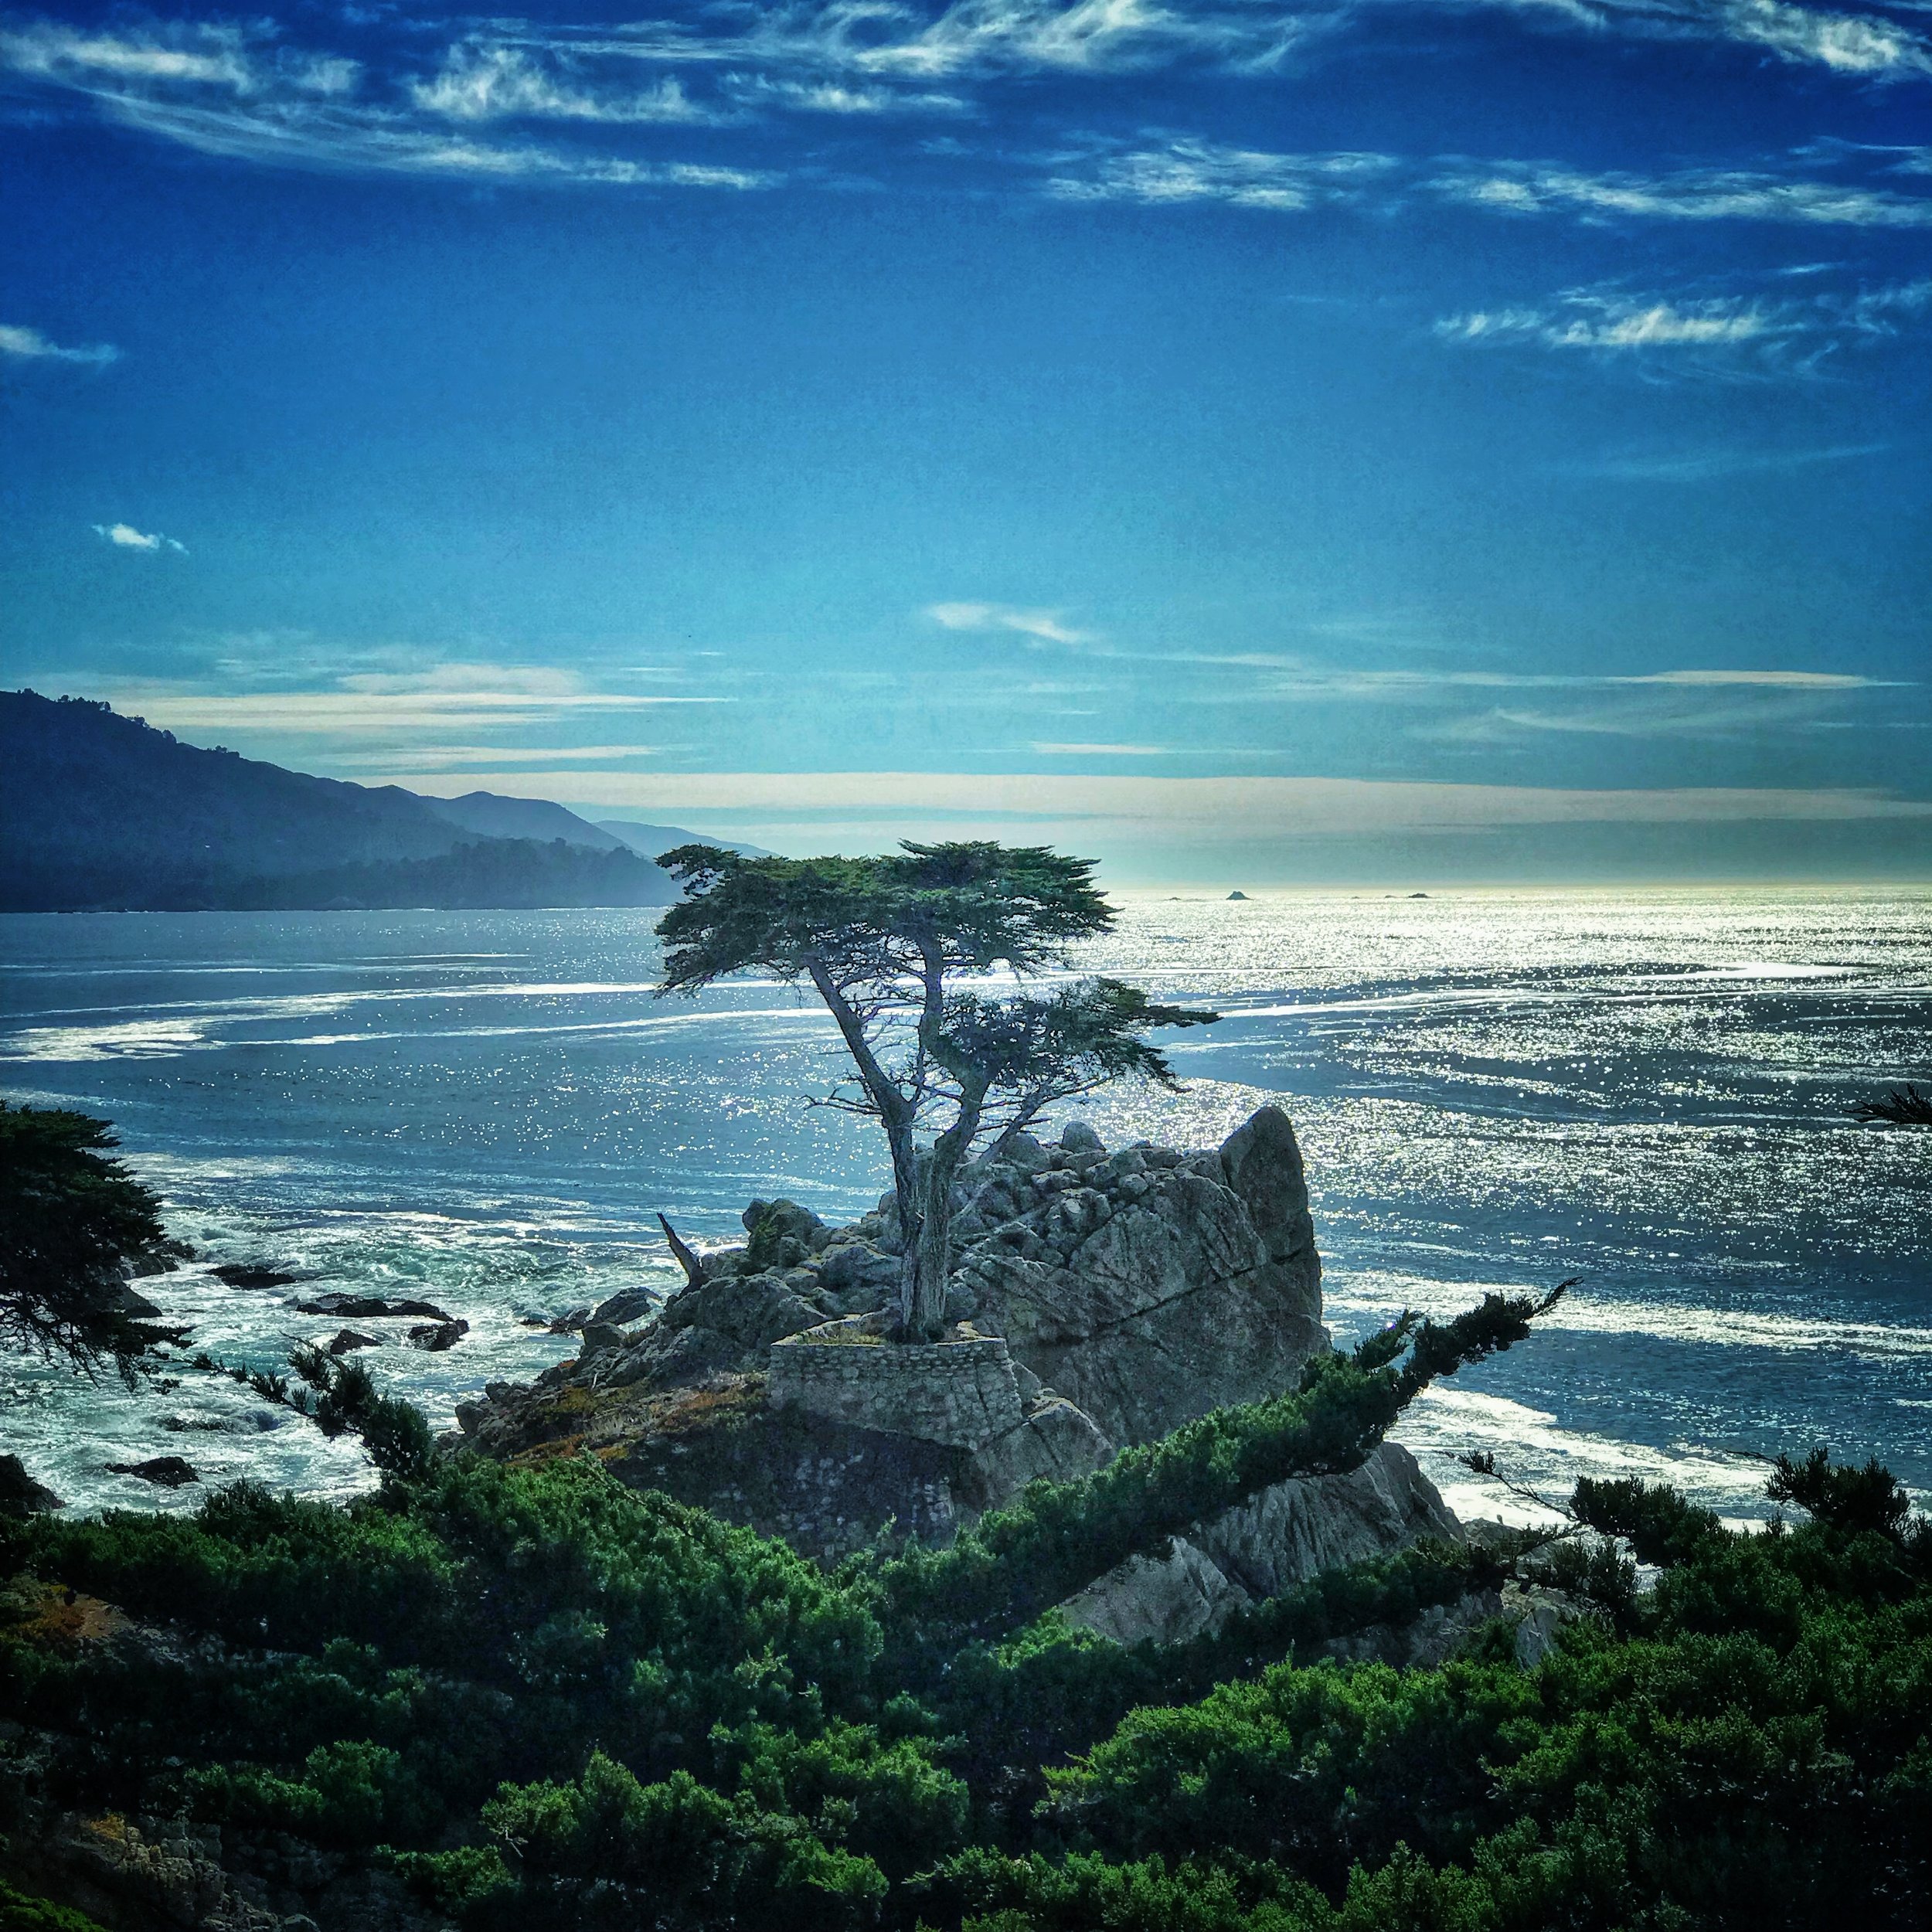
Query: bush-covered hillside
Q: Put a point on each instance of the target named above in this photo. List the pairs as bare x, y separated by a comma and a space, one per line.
531, 1698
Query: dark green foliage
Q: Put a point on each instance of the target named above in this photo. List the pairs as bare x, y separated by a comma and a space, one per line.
399, 1440
73, 1222
564, 1706
1659, 1526
1054, 1689
348, 1793
1902, 1107
972, 904
18, 1913
603, 1850
1085, 1892
1869, 1500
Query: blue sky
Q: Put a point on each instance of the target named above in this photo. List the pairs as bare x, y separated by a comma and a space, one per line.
1247, 441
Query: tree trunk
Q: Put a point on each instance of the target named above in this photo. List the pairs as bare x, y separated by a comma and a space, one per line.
923, 1281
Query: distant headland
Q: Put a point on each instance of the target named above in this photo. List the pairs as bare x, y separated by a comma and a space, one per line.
103, 812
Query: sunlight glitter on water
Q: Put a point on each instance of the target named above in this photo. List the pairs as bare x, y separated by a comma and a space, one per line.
1648, 1090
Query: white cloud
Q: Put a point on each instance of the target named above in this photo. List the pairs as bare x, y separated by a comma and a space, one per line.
1699, 466
1046, 625
1611, 323
30, 345
203, 55
1179, 171
124, 536
1846, 44
1538, 188
1205, 809
358, 142
480, 82
242, 90
459, 757
448, 699
834, 96
1100, 751
1726, 335
1781, 680
237, 94
1183, 171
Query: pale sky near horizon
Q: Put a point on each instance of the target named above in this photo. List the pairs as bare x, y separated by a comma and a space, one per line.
1254, 442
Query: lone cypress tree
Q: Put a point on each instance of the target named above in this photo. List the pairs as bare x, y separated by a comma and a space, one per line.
885, 943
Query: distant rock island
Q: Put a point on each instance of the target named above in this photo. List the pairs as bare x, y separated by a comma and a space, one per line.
101, 812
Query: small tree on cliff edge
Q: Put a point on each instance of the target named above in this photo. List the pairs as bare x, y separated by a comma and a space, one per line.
74, 1223
885, 942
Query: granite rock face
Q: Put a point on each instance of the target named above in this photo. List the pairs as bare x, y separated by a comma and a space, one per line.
1164, 1599
1149, 1286
1278, 1539
1288, 1533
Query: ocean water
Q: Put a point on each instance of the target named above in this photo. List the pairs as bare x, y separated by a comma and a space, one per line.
1646, 1090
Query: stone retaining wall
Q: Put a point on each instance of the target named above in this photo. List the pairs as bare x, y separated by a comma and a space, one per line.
962, 1393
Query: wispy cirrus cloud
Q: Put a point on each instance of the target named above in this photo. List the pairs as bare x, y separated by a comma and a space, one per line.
1838, 188
1049, 627
1186, 170
508, 100
448, 699
1721, 335
1053, 749
1773, 680
29, 345
482, 81
462, 757
1527, 187
1848, 43
124, 536
1601, 322
1701, 466
237, 91
1688, 703
1430, 685
1263, 807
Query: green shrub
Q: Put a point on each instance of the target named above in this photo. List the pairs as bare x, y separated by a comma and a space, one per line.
20, 1914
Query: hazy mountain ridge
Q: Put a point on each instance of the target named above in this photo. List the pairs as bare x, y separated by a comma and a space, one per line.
103, 812
490, 815
652, 840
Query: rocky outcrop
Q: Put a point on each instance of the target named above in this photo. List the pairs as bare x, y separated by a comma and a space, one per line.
169, 1472
1278, 1539
1146, 1286
20, 1493
1294, 1531
1163, 1599
1098, 1299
